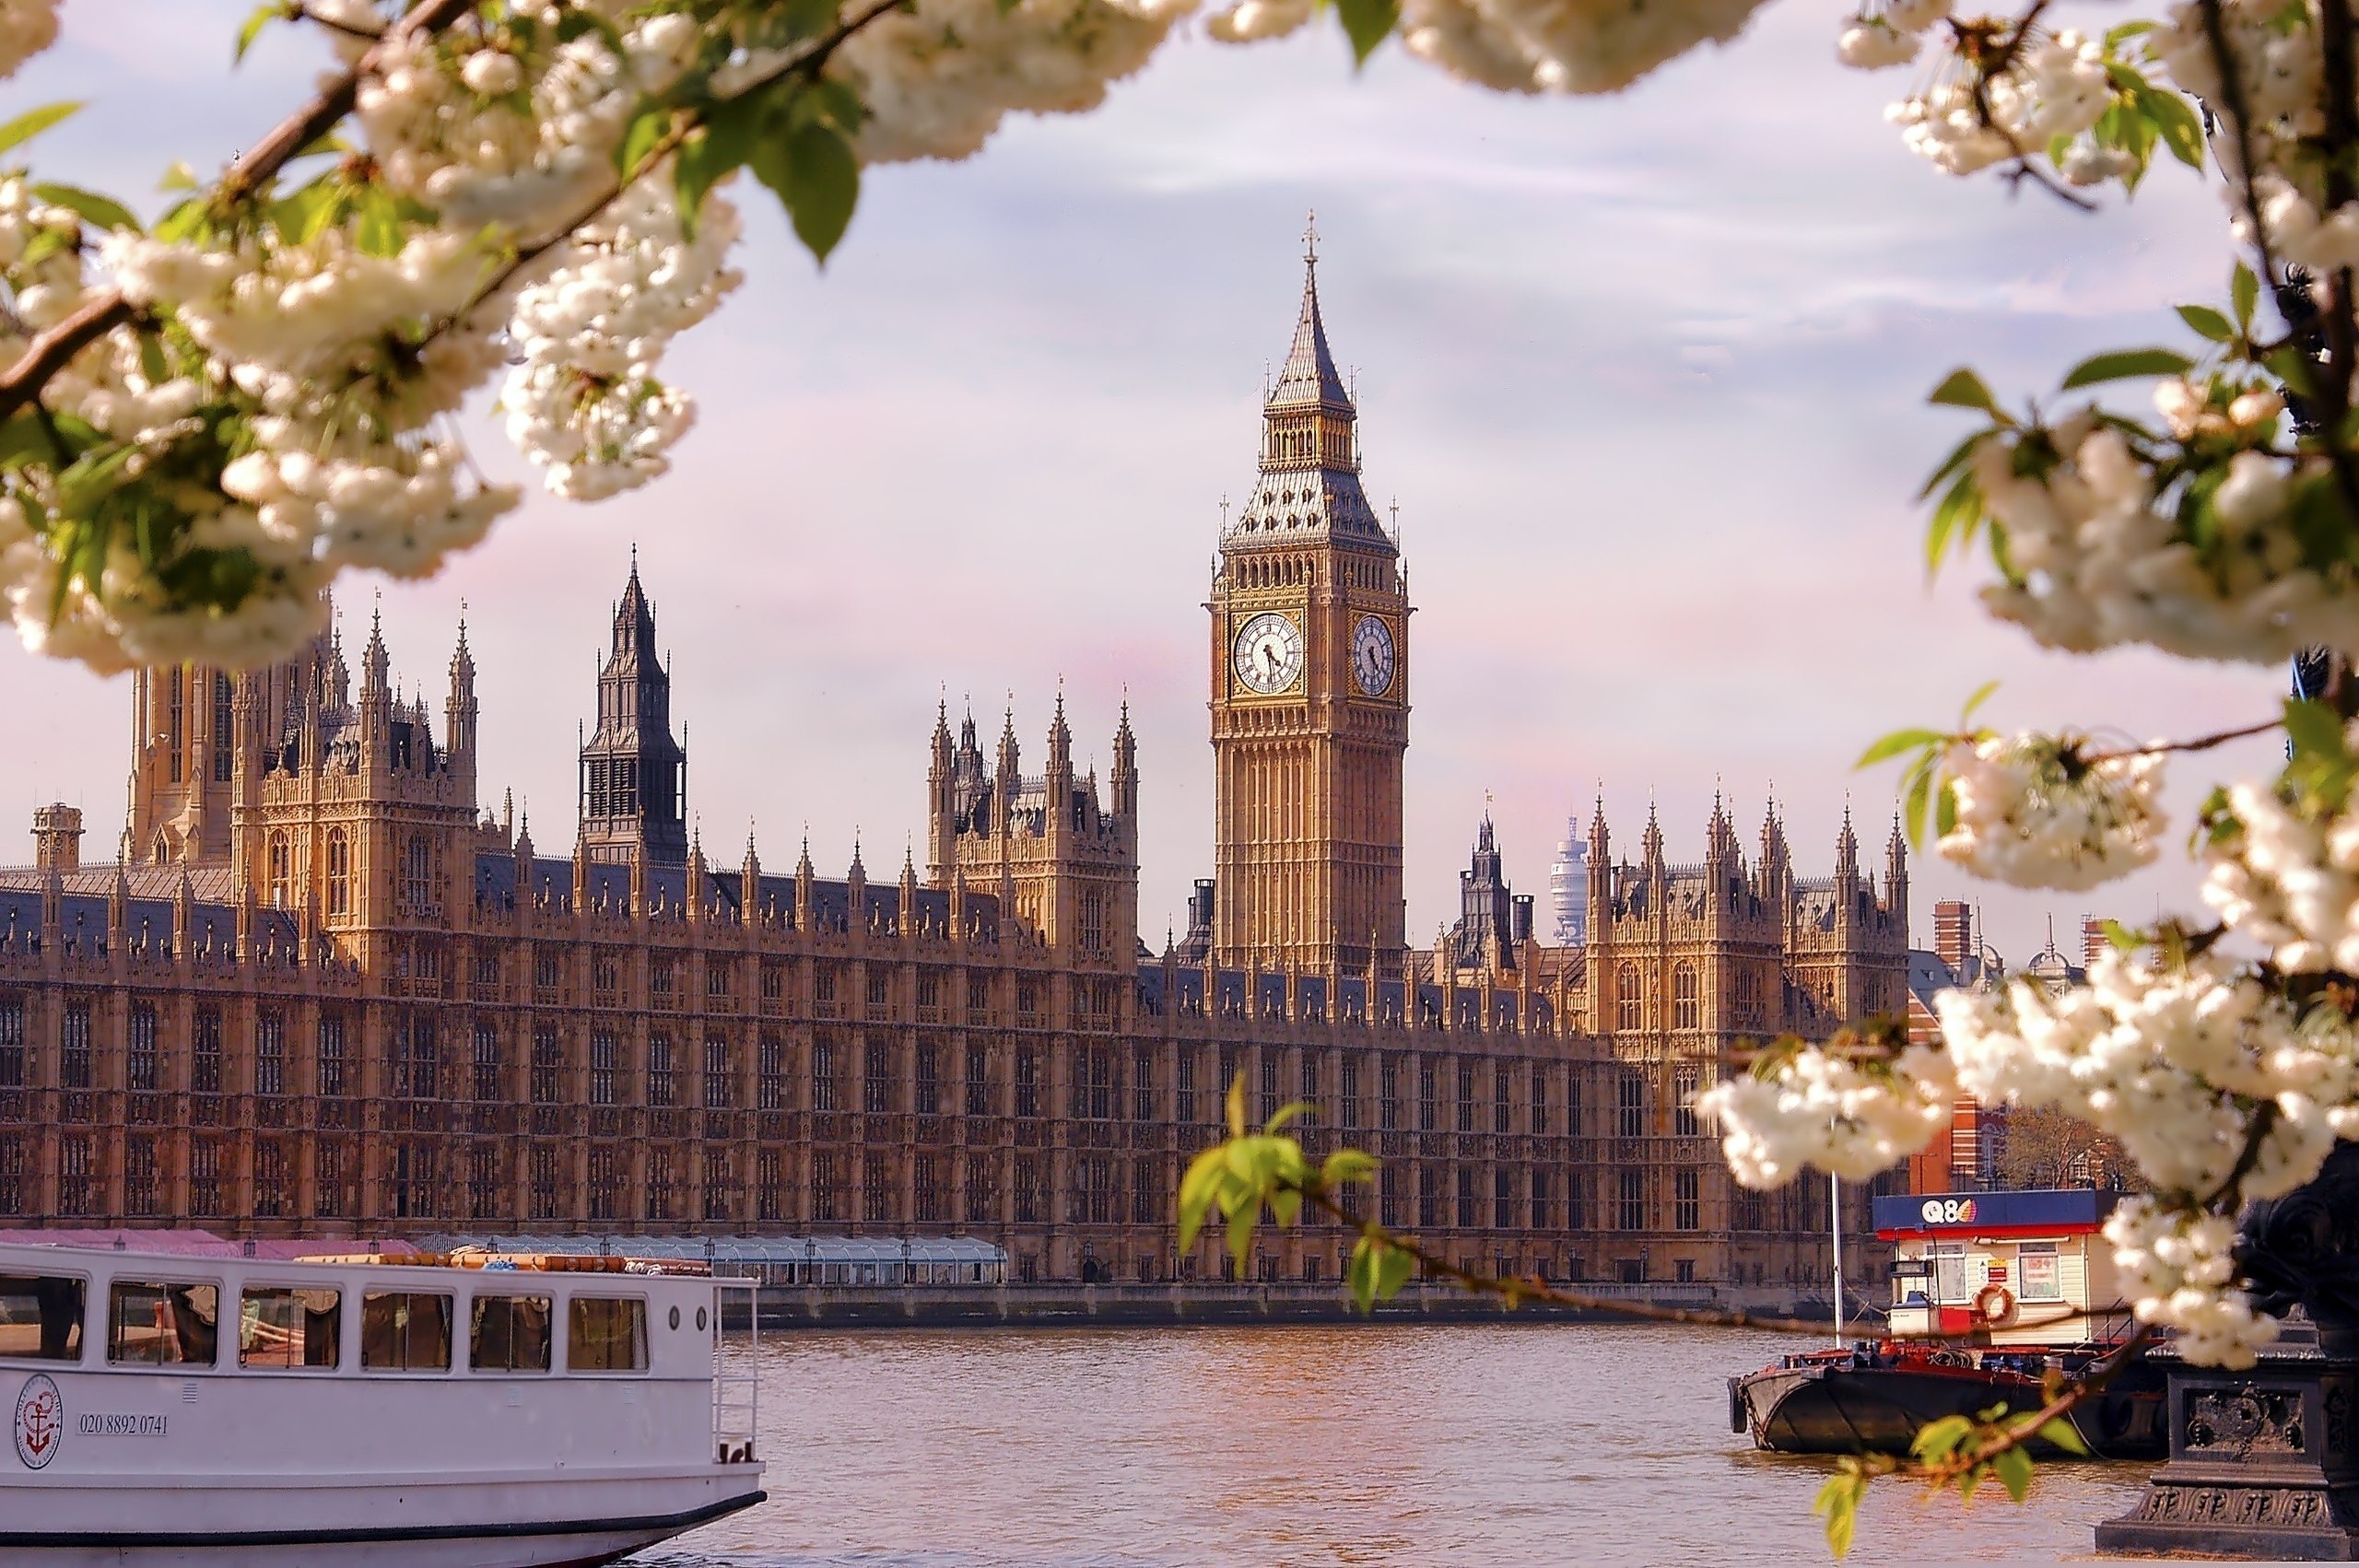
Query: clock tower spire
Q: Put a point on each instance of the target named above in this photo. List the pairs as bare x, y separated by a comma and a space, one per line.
1309, 685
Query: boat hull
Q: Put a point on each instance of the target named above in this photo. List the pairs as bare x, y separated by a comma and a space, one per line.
1841, 1408
517, 1524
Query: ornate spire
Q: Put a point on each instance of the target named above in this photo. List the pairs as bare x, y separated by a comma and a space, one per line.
1308, 482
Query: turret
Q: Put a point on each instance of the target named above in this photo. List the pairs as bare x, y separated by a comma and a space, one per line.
459, 715
1125, 777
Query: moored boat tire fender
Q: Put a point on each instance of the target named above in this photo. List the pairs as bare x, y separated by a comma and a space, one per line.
1995, 1304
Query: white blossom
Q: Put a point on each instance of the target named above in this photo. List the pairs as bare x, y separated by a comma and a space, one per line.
939, 76
2057, 87
2178, 1271
2098, 560
1869, 44
1563, 46
2033, 811
2285, 879
27, 27
585, 402
1820, 1108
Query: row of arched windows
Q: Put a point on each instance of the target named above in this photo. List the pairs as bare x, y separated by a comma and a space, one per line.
1630, 995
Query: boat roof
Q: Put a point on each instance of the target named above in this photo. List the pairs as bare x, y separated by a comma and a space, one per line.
743, 1249
2039, 1212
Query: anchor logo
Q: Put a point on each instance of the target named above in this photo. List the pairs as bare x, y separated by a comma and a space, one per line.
40, 1422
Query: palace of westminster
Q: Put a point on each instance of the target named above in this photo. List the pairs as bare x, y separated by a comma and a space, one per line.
323, 991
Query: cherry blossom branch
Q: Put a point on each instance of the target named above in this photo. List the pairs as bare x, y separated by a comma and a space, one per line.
809, 63
2023, 168
1527, 1287
53, 349
2200, 742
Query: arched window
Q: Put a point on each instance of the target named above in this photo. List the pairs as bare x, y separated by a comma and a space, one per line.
339, 872
281, 870
1626, 998
417, 873
1684, 1003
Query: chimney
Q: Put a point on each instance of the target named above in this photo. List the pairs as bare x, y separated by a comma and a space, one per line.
1522, 918
2093, 938
1953, 933
57, 838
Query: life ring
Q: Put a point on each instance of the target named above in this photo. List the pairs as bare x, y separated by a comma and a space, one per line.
1995, 1304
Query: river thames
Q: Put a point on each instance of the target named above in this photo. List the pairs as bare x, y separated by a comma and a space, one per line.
1529, 1443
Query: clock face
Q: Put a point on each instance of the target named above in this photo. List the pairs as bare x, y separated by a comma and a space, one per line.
1372, 656
1268, 653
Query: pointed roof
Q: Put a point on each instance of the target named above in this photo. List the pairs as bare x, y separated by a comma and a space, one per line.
635, 620
1307, 483
1310, 376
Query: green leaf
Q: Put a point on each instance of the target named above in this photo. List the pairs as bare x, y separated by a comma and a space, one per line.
104, 211
1981, 695
1346, 1166
814, 176
1960, 455
2175, 121
2204, 321
1899, 740
2012, 1467
1963, 389
2315, 728
1359, 1272
1946, 808
1954, 519
1939, 1439
1367, 23
2244, 290
1838, 1504
2060, 1431
1917, 797
264, 15
647, 127
32, 123
2124, 940
179, 177
1393, 1268
2126, 362
1288, 1113
1197, 1190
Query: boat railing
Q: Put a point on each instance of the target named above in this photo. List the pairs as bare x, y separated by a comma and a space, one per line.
736, 1373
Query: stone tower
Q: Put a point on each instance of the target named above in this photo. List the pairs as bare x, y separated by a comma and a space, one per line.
184, 722
634, 776
1309, 688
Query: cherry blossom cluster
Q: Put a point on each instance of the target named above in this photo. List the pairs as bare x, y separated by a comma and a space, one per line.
2287, 877
2046, 89
937, 77
585, 401
1527, 46
2178, 1269
2101, 553
2220, 1087
1851, 1114
2041, 811
504, 124
27, 27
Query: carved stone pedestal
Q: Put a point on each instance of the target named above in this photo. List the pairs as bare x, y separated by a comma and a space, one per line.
2262, 1462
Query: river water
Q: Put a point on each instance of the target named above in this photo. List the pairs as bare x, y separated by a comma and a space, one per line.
1427, 1443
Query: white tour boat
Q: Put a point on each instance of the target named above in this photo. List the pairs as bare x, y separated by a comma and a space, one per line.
478, 1410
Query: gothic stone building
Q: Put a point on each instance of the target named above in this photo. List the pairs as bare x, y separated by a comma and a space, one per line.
322, 990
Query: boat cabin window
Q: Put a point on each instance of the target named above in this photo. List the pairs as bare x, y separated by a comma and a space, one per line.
607, 1334
289, 1330
400, 1331
510, 1334
1949, 1276
41, 1316
161, 1323
2043, 1276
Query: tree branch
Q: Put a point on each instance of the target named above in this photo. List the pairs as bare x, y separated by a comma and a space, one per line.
51, 351
2200, 743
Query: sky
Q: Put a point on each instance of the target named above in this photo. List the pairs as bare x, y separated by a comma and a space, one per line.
1644, 373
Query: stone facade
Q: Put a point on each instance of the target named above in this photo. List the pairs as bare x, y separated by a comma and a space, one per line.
322, 990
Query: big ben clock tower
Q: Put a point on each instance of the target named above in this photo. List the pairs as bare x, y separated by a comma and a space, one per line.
1309, 687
